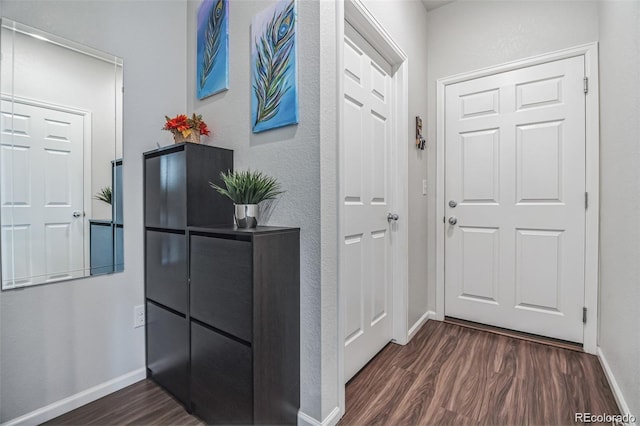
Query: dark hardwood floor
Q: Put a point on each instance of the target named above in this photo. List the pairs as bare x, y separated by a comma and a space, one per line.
143, 403
447, 374
450, 374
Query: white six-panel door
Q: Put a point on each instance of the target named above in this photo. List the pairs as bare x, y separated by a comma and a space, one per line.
365, 255
42, 183
515, 171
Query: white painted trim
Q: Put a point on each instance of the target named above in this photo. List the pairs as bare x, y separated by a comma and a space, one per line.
590, 53
331, 420
440, 196
557, 55
592, 185
617, 392
401, 202
72, 402
429, 315
341, 305
354, 12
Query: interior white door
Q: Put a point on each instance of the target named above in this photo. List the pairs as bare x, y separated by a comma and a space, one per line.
515, 182
365, 256
41, 195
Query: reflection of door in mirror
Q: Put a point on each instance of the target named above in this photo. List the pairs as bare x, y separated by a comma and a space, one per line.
60, 146
42, 200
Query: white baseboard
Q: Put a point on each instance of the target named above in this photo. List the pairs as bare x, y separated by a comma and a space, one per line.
617, 392
331, 420
418, 325
72, 402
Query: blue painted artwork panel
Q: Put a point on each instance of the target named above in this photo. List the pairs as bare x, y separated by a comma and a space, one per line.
274, 74
212, 63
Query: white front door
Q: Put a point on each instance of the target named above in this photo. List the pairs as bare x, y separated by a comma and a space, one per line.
41, 195
515, 183
365, 255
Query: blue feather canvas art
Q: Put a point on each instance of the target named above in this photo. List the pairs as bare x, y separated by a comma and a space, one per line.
213, 48
274, 76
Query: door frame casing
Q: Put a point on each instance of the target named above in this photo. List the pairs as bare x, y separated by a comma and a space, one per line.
592, 175
357, 15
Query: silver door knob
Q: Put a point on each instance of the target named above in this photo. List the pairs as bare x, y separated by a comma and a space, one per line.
453, 220
392, 216
452, 203
77, 214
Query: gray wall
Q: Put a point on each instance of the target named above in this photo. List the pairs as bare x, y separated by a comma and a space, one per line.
468, 35
619, 337
59, 339
406, 23
291, 154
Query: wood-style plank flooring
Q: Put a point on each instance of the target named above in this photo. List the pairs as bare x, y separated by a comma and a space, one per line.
447, 374
143, 403
450, 374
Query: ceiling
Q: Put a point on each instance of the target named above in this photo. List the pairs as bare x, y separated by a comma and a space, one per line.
433, 4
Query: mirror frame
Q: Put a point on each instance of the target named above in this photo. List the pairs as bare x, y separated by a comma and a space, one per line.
118, 146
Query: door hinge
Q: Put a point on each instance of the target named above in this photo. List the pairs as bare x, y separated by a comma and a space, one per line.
586, 85
584, 314
586, 200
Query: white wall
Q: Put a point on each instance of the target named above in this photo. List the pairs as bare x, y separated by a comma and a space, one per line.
406, 23
619, 337
57, 340
468, 35
291, 154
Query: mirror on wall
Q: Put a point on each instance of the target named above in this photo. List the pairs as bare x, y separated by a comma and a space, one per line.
60, 158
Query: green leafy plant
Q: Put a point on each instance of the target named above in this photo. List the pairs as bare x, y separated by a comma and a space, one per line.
105, 195
247, 187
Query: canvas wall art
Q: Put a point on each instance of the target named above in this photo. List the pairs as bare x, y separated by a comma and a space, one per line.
274, 74
212, 48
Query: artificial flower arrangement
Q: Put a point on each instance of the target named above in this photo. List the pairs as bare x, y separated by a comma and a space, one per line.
189, 128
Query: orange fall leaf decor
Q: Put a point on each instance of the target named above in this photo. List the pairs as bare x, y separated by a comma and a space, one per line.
185, 125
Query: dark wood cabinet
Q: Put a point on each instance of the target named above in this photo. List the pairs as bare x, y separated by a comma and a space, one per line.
166, 269
168, 350
221, 377
245, 296
223, 304
221, 284
177, 190
177, 195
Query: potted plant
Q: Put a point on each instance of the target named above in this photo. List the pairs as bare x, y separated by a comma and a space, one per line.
104, 195
186, 129
247, 189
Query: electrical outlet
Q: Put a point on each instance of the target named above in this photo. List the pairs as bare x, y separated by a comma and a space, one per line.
138, 316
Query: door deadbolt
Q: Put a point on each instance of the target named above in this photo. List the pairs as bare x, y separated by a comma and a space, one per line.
452, 204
